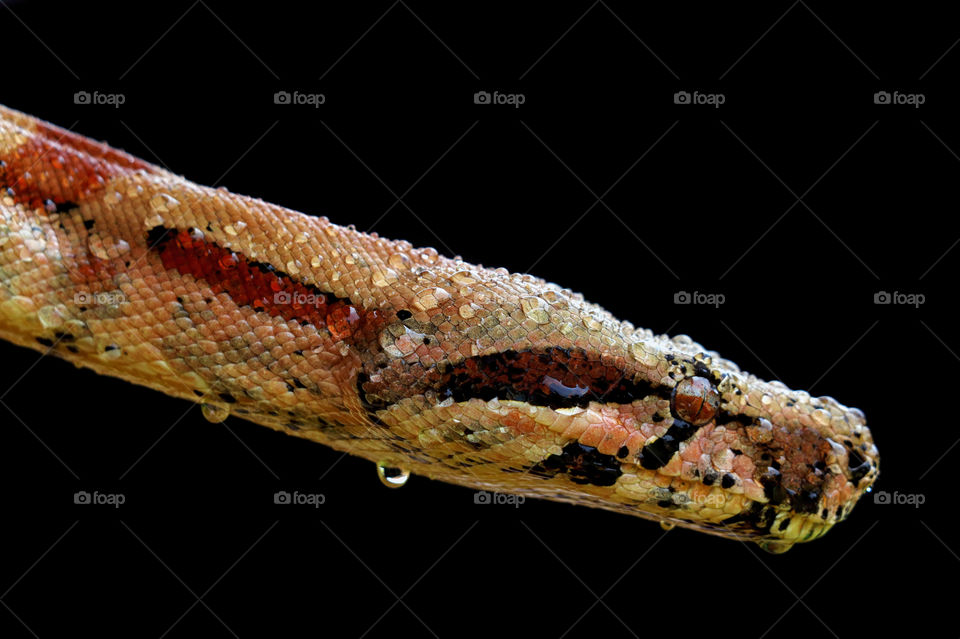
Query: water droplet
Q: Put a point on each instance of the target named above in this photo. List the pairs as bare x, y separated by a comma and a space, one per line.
463, 277
315, 260
95, 244
591, 323
430, 298
235, 228
214, 414
667, 525
776, 547
429, 255
533, 308
162, 203
50, 316
399, 261
391, 475
153, 220
301, 238
386, 277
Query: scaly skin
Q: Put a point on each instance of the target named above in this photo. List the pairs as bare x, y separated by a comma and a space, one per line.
465, 374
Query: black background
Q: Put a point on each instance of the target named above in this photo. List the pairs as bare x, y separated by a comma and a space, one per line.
798, 199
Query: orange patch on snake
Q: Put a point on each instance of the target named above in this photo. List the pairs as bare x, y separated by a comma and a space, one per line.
47, 169
259, 285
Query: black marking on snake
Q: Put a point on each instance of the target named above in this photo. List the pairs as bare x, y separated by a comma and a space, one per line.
859, 467
759, 517
724, 417
772, 488
46, 342
700, 370
728, 481
61, 207
806, 501
668, 503
657, 454
582, 464
555, 377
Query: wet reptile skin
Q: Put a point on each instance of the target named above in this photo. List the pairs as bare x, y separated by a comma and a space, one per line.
456, 372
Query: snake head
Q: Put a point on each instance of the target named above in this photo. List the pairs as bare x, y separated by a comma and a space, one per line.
789, 466
547, 395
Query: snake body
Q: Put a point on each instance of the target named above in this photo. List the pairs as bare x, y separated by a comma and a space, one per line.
469, 375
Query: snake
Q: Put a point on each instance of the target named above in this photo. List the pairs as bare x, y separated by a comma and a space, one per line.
421, 363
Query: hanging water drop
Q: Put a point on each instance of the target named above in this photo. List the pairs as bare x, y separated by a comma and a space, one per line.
391, 475
213, 413
667, 525
776, 547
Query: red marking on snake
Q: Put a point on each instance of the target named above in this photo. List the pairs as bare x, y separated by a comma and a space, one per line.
260, 285
58, 166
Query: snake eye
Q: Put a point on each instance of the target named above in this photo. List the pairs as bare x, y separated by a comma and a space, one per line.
695, 400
